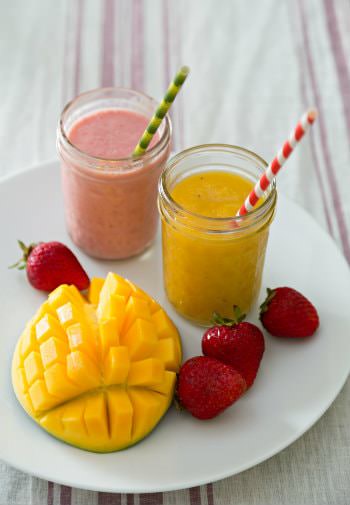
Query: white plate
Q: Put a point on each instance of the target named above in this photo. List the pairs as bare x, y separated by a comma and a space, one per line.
296, 384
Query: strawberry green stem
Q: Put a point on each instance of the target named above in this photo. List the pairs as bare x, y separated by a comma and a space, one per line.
22, 262
270, 294
226, 321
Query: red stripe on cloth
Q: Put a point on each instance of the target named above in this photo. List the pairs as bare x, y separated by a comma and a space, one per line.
302, 82
166, 59
264, 182
66, 49
170, 41
210, 494
65, 495
275, 166
179, 44
330, 172
151, 499
340, 58
253, 198
109, 499
77, 65
195, 496
137, 42
130, 499
50, 493
287, 149
299, 131
107, 71
166, 50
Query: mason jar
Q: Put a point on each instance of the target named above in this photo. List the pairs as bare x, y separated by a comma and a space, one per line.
111, 204
211, 264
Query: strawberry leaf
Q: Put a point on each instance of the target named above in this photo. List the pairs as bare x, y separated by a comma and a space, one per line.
217, 319
264, 306
22, 263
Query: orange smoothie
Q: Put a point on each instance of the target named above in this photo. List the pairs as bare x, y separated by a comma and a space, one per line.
209, 263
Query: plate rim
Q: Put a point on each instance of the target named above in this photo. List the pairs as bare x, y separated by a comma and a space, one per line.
221, 475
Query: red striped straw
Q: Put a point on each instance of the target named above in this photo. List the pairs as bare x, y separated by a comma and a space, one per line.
277, 163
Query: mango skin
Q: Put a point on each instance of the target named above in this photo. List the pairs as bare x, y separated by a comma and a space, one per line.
98, 374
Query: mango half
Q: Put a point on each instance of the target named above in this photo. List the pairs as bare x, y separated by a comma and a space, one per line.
97, 374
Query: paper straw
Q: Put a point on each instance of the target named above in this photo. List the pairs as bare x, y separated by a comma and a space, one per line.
162, 109
277, 163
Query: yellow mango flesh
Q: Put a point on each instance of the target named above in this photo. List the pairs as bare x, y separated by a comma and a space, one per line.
98, 374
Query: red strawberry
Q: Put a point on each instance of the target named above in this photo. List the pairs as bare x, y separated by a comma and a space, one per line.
50, 264
235, 343
206, 386
287, 313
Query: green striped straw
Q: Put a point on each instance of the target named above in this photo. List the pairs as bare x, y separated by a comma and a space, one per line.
162, 109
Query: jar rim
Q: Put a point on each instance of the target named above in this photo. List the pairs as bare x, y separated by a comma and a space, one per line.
255, 213
148, 154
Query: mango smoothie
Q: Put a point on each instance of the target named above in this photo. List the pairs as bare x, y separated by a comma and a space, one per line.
212, 260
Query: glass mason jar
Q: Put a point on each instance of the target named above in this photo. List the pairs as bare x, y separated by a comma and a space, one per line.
111, 204
211, 264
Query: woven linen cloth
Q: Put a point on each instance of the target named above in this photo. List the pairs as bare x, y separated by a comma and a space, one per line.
255, 67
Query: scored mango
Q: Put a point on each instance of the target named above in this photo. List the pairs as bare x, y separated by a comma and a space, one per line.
99, 373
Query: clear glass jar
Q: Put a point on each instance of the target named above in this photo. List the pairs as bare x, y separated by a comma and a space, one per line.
211, 264
111, 204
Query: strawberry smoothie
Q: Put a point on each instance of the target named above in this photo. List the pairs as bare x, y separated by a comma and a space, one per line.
110, 133
110, 197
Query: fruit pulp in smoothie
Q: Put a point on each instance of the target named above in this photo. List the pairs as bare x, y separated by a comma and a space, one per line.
111, 213
204, 272
109, 133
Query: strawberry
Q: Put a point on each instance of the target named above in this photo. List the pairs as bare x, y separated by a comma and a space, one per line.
287, 313
236, 343
50, 264
206, 386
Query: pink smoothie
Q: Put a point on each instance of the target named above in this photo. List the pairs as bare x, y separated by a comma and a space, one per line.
110, 206
111, 133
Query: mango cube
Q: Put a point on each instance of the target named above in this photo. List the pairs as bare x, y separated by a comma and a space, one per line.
64, 294
80, 338
121, 416
113, 306
22, 380
167, 351
40, 397
116, 366
69, 314
72, 418
82, 370
109, 333
95, 289
147, 407
95, 417
33, 367
146, 372
140, 339
58, 383
136, 308
53, 350
28, 341
48, 326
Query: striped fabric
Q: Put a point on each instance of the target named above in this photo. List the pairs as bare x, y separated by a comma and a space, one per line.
252, 64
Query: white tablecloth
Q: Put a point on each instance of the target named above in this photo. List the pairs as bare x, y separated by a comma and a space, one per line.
256, 65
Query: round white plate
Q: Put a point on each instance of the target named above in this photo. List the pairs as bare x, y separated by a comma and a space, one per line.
296, 384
